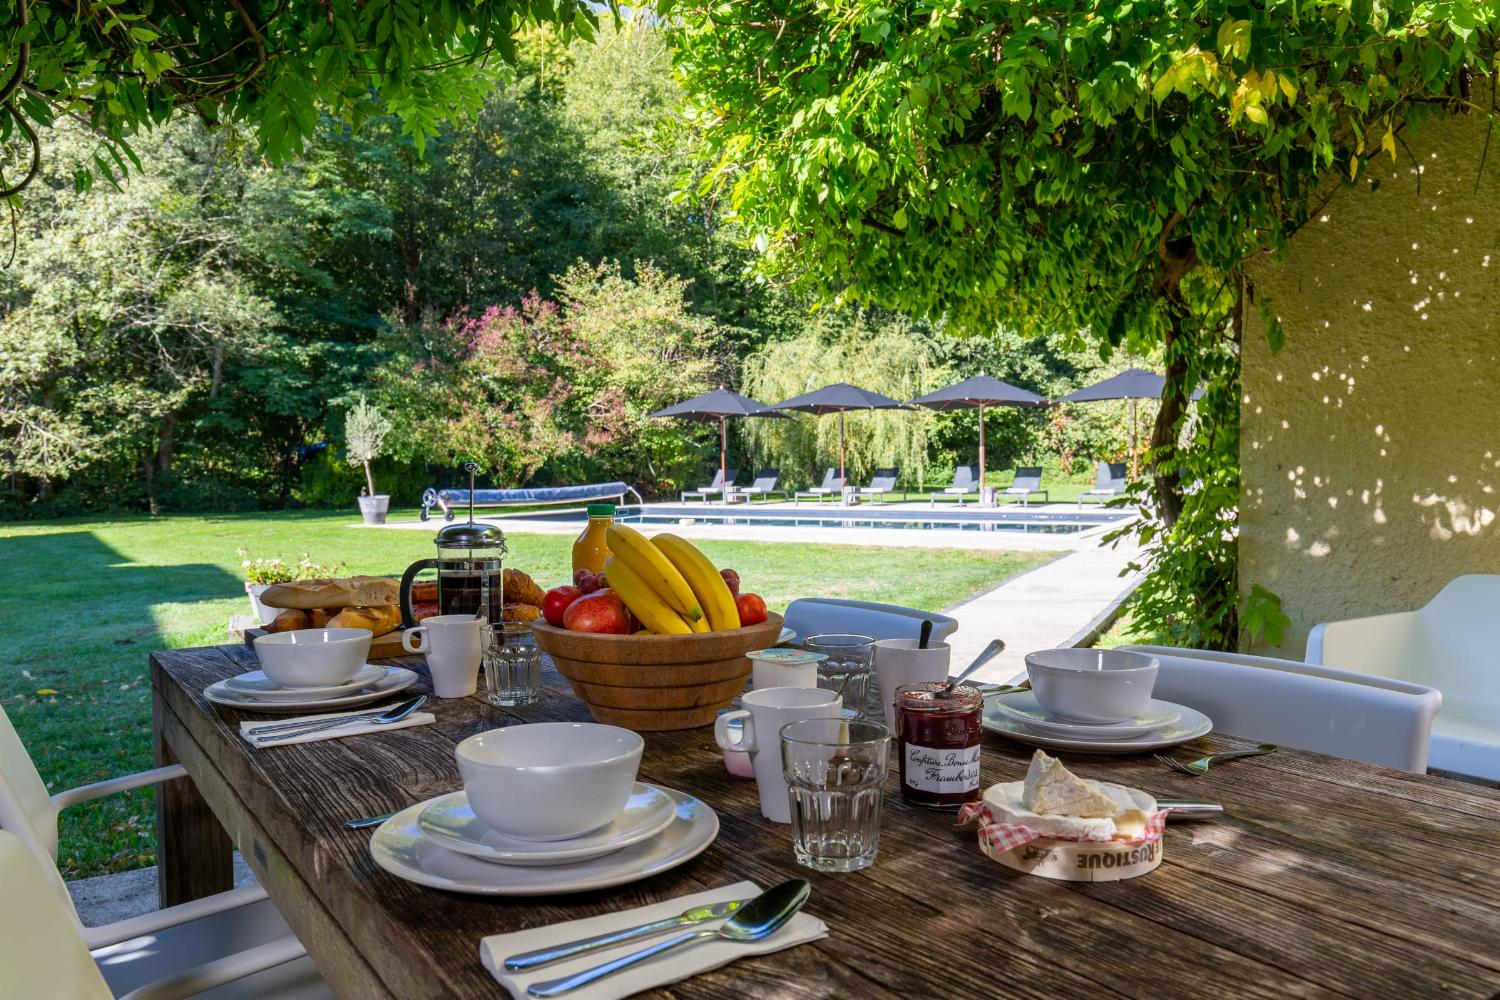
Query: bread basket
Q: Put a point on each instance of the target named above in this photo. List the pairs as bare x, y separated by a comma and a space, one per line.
651, 683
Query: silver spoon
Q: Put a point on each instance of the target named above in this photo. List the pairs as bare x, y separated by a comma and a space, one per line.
385, 718
762, 916
994, 649
696, 915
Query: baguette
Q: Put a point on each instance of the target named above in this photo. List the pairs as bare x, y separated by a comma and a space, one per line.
379, 620
355, 592
289, 621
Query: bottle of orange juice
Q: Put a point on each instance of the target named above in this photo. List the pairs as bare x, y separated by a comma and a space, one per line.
590, 551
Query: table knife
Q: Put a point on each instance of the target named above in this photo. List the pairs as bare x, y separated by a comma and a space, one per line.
546, 956
1190, 810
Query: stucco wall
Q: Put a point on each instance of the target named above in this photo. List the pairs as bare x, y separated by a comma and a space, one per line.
1371, 442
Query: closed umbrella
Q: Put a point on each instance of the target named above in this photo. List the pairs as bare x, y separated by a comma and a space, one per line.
1132, 384
840, 398
720, 405
977, 393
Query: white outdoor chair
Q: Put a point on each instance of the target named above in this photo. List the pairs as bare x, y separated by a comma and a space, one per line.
721, 477
830, 488
238, 931
811, 615
965, 481
1027, 484
1453, 644
1335, 712
763, 486
1109, 482
881, 484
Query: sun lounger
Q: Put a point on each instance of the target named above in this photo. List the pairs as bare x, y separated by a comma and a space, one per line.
764, 486
1027, 484
965, 481
717, 486
1108, 483
883, 482
830, 488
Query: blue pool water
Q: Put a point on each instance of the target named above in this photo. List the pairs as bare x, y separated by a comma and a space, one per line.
950, 520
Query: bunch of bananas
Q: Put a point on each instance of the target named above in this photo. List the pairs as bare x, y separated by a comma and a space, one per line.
667, 583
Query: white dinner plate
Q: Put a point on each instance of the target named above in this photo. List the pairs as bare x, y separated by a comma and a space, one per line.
1189, 726
258, 684
395, 679
449, 820
1023, 707
399, 847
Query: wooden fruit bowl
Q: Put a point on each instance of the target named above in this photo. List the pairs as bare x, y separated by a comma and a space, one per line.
651, 683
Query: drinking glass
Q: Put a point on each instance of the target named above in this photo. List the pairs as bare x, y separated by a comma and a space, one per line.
512, 664
847, 667
835, 770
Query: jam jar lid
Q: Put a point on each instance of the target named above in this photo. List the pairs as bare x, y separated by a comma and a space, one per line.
924, 698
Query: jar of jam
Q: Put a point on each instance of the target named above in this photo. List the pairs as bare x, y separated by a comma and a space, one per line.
938, 744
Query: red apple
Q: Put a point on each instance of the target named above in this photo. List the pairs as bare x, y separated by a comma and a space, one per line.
752, 609
733, 579
557, 601
600, 611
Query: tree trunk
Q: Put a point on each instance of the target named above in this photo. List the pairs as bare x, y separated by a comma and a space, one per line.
1163, 444
369, 479
411, 255
166, 442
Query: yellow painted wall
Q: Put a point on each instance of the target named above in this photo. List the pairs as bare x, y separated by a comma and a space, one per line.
1371, 443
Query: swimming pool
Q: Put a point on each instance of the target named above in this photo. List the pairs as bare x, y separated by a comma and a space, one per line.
1009, 521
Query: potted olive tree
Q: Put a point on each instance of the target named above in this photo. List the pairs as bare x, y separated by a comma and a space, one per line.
365, 428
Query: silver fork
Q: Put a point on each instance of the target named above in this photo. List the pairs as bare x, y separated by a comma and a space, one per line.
1200, 766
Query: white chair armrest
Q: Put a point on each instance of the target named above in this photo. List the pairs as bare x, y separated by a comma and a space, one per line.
202, 978
1352, 639
99, 788
158, 920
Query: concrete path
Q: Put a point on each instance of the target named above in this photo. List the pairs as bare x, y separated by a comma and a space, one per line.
1043, 609
104, 899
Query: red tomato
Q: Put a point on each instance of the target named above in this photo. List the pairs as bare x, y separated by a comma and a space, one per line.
557, 601
752, 609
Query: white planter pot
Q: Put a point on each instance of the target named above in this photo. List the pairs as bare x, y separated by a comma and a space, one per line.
265, 614
373, 509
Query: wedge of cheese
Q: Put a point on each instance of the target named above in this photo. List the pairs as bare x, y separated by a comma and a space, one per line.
1052, 790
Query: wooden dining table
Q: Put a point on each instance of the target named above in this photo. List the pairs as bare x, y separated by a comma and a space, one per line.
1323, 878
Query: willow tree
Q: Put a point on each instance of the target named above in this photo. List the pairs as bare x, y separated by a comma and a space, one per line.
1106, 166
265, 66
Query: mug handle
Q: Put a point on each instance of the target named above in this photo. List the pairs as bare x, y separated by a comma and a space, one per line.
404, 597
409, 634
747, 734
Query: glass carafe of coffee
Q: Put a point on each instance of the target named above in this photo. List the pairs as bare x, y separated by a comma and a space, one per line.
470, 577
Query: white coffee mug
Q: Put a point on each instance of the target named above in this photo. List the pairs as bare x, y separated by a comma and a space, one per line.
765, 712
451, 645
792, 668
899, 662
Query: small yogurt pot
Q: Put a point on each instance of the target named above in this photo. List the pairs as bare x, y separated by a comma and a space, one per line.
549, 780
1092, 685
773, 668
313, 657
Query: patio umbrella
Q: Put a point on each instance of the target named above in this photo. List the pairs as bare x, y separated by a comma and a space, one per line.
720, 405
979, 392
1132, 384
840, 398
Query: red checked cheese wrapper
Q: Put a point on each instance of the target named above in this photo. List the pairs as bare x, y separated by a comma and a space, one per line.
1068, 848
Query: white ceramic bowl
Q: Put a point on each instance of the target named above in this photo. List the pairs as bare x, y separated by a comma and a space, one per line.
549, 780
1092, 685
313, 657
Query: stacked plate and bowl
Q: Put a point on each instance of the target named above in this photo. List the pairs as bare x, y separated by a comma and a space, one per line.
321, 669
548, 807
1092, 701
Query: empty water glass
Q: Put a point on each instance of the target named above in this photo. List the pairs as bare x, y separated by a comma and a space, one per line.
847, 667
512, 664
835, 772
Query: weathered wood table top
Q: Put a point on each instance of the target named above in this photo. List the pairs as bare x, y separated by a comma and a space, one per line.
1324, 878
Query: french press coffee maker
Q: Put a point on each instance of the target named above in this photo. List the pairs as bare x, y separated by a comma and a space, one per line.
470, 578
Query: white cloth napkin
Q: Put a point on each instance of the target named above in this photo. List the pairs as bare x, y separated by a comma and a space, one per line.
672, 967
337, 732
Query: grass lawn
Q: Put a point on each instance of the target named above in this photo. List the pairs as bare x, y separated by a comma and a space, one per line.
85, 601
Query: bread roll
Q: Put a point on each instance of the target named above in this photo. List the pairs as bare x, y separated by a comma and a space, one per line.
522, 612
289, 621
379, 620
355, 592
423, 592
521, 589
